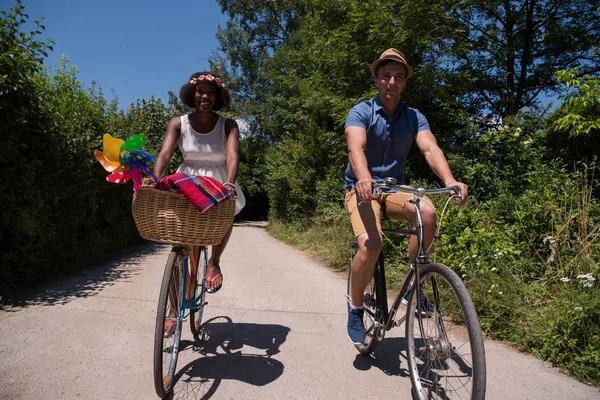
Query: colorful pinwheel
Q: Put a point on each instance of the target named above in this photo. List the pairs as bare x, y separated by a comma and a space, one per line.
125, 159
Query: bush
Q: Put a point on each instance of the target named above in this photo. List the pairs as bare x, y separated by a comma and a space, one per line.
58, 212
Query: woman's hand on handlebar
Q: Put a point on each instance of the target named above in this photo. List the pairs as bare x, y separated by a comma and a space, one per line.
364, 190
231, 187
148, 181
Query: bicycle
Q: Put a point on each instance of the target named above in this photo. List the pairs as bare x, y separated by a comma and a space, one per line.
169, 217
173, 303
440, 365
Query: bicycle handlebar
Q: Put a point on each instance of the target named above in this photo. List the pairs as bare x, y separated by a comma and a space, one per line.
391, 183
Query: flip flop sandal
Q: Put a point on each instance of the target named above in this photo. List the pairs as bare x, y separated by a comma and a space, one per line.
212, 279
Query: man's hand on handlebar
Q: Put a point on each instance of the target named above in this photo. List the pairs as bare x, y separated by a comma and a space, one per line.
364, 190
464, 190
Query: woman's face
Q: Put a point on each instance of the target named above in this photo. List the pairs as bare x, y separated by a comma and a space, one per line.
205, 97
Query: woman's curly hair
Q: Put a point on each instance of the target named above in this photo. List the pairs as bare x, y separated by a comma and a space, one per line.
188, 90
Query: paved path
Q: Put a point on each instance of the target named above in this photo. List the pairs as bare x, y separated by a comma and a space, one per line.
278, 332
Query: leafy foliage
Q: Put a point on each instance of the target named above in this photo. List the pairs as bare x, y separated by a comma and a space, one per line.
581, 105
58, 213
574, 128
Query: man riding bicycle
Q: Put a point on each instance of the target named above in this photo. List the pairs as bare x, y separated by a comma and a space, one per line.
379, 133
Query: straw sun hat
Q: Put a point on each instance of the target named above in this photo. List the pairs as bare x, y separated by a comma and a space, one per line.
392, 55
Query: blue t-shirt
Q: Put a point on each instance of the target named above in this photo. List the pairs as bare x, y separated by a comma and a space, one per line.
388, 140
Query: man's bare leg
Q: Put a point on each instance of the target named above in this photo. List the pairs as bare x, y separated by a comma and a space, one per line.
363, 264
428, 217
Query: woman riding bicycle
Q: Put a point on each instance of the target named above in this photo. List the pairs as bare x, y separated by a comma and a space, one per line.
209, 143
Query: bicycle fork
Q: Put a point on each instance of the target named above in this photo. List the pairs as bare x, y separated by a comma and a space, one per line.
188, 296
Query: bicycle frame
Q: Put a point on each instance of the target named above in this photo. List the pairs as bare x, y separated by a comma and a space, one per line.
389, 314
187, 302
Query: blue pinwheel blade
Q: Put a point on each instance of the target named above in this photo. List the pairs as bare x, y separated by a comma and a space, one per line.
142, 156
141, 165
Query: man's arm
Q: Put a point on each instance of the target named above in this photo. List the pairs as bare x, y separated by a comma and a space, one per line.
356, 137
437, 161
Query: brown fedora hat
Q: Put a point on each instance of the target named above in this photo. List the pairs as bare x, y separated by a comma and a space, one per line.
393, 55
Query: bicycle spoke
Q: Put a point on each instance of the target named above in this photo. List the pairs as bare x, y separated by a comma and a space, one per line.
198, 293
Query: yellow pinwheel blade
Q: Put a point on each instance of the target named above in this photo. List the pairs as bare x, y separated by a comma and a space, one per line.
111, 147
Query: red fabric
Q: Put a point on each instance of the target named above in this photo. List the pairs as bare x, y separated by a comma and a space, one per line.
203, 192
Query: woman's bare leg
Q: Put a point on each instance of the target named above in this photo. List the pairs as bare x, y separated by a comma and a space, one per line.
215, 259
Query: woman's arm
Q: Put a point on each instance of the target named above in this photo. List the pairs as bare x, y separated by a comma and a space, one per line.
168, 147
232, 147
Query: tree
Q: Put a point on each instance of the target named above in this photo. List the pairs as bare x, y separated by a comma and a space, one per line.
581, 106
298, 79
574, 128
506, 52
256, 29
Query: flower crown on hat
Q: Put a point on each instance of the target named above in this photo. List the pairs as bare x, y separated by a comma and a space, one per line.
208, 77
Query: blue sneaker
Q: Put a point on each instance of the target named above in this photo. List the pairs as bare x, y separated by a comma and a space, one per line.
356, 328
426, 308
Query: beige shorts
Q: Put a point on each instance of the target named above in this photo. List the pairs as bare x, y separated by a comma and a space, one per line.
367, 218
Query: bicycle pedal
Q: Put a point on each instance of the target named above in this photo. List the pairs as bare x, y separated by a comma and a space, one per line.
379, 332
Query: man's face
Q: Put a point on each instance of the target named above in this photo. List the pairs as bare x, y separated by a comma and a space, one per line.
390, 80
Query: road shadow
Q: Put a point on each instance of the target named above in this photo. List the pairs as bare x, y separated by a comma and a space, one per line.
85, 283
229, 352
91, 280
252, 224
389, 357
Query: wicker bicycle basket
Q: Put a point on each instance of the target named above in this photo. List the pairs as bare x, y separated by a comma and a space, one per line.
169, 217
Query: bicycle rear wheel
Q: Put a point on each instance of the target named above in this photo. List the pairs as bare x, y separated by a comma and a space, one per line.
446, 357
197, 310
374, 314
169, 317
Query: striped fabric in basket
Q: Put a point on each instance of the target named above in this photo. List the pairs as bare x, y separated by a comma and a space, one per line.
203, 192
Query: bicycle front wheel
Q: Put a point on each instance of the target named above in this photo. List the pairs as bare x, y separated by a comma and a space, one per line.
197, 310
446, 356
169, 317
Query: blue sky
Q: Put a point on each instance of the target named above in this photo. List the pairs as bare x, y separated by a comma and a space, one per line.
136, 48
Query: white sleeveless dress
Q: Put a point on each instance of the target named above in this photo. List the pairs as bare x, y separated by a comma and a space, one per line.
205, 154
